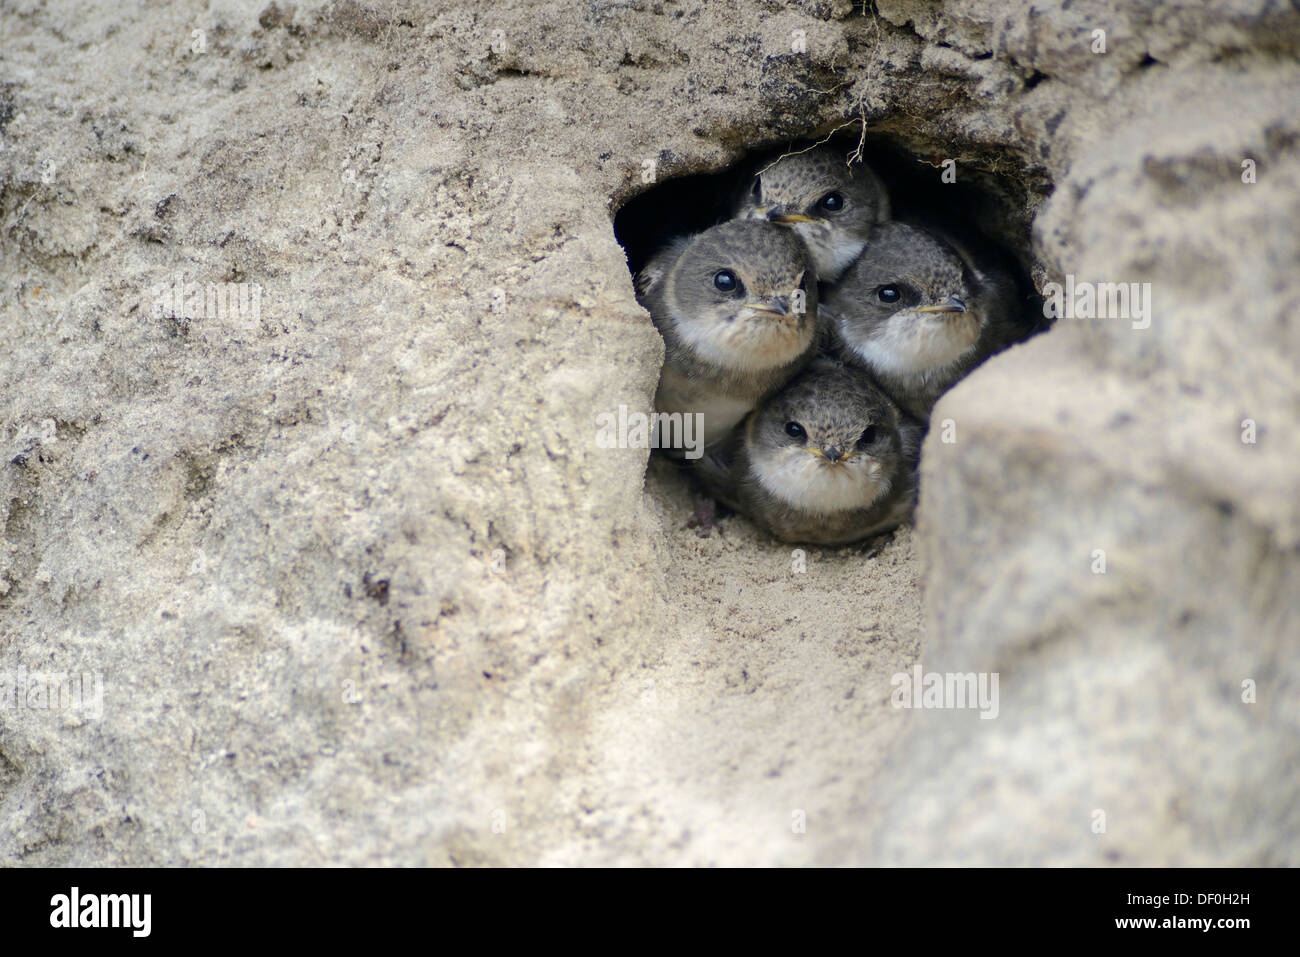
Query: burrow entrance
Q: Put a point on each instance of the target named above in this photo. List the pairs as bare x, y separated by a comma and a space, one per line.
989, 207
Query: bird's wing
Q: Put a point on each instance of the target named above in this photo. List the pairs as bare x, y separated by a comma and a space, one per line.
714, 469
827, 317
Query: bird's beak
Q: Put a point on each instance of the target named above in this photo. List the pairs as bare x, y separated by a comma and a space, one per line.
777, 214
777, 305
831, 454
951, 304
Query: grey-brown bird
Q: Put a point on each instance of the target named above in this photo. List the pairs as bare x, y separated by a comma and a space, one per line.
918, 313
830, 204
827, 460
736, 306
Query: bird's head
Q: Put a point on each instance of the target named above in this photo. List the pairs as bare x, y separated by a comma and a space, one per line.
827, 442
828, 202
744, 295
909, 304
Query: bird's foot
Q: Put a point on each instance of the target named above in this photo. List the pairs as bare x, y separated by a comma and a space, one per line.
705, 517
874, 546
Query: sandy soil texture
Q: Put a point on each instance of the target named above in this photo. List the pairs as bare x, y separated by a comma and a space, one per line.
360, 587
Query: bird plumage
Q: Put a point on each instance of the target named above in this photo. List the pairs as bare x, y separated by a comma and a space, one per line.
796, 190
919, 310
847, 473
726, 349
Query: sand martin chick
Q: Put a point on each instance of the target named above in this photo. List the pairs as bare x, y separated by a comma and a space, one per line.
827, 460
918, 314
736, 306
829, 204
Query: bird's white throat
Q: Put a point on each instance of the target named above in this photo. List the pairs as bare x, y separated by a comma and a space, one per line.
751, 342
914, 344
805, 481
833, 249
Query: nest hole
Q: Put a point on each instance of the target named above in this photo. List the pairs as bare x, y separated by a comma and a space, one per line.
990, 206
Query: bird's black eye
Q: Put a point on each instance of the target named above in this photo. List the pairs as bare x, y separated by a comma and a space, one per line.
831, 202
795, 431
867, 437
724, 280
889, 294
